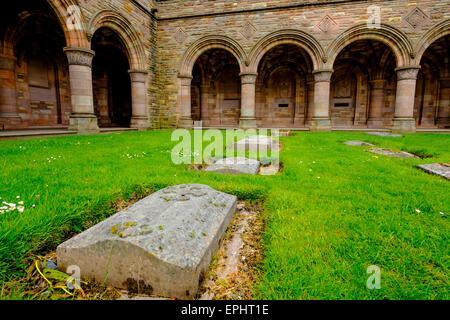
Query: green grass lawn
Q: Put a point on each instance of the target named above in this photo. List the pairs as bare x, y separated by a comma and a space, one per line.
321, 233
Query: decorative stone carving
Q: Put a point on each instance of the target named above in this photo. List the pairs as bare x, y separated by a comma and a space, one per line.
327, 24
79, 56
164, 242
322, 75
406, 73
180, 36
416, 18
248, 30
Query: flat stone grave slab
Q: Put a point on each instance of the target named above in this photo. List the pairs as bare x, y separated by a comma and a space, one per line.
237, 165
358, 143
392, 153
160, 245
255, 143
385, 134
440, 169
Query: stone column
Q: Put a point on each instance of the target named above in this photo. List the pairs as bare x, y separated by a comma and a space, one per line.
376, 103
185, 102
404, 99
248, 94
83, 118
204, 97
443, 103
139, 116
8, 99
321, 113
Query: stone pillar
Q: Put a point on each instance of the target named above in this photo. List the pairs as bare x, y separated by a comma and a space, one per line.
139, 116
185, 102
321, 113
8, 99
404, 99
83, 118
376, 103
443, 103
204, 97
248, 94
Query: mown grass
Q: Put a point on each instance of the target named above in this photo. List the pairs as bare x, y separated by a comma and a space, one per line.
321, 233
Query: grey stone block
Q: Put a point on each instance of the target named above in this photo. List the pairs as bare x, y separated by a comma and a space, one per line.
358, 143
237, 165
392, 153
385, 134
161, 245
255, 143
440, 169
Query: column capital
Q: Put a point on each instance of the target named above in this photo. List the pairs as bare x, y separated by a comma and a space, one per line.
138, 75
407, 72
322, 75
79, 56
248, 77
185, 80
7, 62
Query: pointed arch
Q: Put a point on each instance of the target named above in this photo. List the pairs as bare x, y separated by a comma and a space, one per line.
438, 31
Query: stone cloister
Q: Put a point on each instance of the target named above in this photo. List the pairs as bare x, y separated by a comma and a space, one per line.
82, 65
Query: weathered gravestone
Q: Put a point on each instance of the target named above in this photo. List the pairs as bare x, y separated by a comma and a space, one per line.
255, 143
385, 134
358, 143
440, 169
161, 245
237, 165
392, 153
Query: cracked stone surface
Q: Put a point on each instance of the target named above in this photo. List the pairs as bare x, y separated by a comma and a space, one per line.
385, 134
160, 245
236, 165
358, 143
440, 169
255, 143
392, 153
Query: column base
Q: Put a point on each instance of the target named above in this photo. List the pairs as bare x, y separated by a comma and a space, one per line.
404, 125
320, 124
84, 124
140, 123
186, 123
247, 123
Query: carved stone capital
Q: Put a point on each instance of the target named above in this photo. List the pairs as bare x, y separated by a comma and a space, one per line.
79, 56
323, 75
7, 63
405, 73
138, 75
248, 78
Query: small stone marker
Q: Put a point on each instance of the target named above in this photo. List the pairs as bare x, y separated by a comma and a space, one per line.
161, 245
237, 165
392, 153
358, 143
440, 169
385, 134
255, 143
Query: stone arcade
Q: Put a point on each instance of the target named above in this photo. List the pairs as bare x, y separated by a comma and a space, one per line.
289, 64
163, 243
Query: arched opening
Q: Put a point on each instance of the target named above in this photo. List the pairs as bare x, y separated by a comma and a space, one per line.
216, 89
284, 87
110, 80
432, 102
363, 86
34, 86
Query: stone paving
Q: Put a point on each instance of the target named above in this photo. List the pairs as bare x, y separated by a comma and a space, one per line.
358, 143
385, 134
392, 153
440, 169
237, 165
